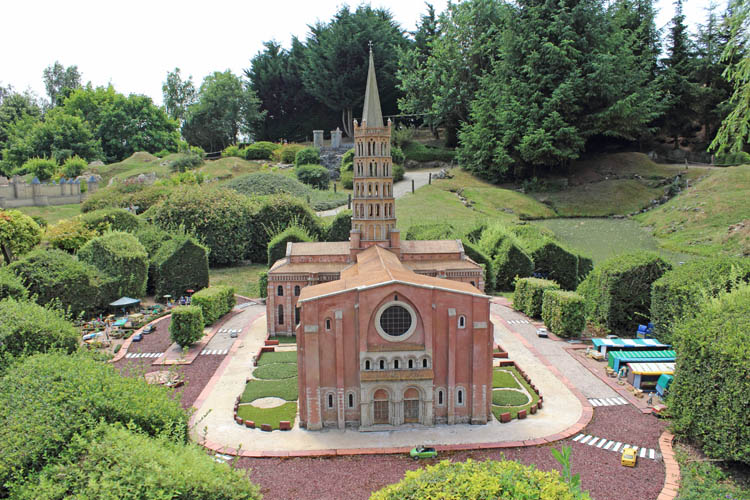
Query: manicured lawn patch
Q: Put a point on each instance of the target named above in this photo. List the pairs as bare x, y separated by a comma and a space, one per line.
445, 207
284, 339
278, 357
272, 416
509, 398
53, 214
244, 279
285, 389
276, 371
596, 199
501, 378
505, 397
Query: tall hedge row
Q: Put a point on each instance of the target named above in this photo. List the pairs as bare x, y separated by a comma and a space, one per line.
186, 325
477, 255
180, 264
215, 302
340, 227
529, 295
511, 261
564, 312
709, 396
681, 290
121, 256
28, 328
277, 245
618, 292
554, 261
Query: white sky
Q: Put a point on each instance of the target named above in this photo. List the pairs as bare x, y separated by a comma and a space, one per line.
134, 44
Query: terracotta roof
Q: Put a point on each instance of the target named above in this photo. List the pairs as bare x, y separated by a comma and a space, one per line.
442, 265
284, 266
431, 246
321, 248
377, 266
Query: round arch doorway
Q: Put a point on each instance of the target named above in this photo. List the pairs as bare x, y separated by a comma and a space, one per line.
381, 413
411, 406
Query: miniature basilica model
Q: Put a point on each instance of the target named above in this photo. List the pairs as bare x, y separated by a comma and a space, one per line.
389, 332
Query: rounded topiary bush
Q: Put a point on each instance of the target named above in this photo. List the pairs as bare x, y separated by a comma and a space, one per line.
41, 168
111, 219
186, 327
307, 156
27, 328
529, 295
511, 262
180, 264
19, 233
277, 245
73, 167
287, 153
340, 227
472, 480
563, 312
266, 183
397, 155
69, 234
316, 176
261, 150
347, 180
121, 256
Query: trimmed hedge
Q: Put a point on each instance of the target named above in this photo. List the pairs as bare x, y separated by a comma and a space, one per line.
261, 150
53, 275
529, 295
618, 292
287, 153
27, 328
47, 398
263, 284
564, 312
316, 176
126, 195
682, 290
347, 180
585, 266
554, 261
511, 262
214, 301
110, 461
152, 238
477, 255
397, 155
186, 326
340, 227
121, 256
277, 245
471, 480
307, 156
435, 231
69, 234
708, 397
11, 286
180, 264
398, 172
114, 219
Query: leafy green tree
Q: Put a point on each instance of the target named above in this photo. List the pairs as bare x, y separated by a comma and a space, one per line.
178, 94
335, 66
226, 106
13, 107
59, 81
18, 234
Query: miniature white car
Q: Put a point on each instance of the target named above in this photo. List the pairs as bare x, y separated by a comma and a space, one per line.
541, 332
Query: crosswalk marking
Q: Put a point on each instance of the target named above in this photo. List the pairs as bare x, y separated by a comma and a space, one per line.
215, 352
616, 447
601, 443
651, 453
519, 321
643, 452
593, 441
610, 445
140, 355
578, 437
608, 401
584, 440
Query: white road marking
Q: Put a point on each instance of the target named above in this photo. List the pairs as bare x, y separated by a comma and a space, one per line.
609, 445
578, 437
584, 440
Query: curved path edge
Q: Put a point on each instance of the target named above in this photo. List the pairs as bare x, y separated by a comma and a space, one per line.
672, 476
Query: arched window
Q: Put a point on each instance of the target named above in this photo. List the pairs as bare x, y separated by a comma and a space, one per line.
424, 363
280, 291
367, 364
382, 364
351, 400
462, 321
330, 400
370, 210
473, 284
296, 315
460, 397
296, 290
376, 190
440, 397
280, 313
377, 210
328, 323
411, 364
396, 364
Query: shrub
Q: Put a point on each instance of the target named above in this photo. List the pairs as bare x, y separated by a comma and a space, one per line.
563, 312
347, 161
510, 262
618, 292
307, 156
186, 326
53, 275
585, 266
261, 150
263, 284
681, 290
277, 245
186, 162
111, 219
417, 151
125, 196
287, 153
708, 397
233, 150
121, 256
110, 461
152, 238
398, 173
316, 176
397, 155
435, 231
41, 168
27, 328
73, 167
529, 295
738, 157
18, 234
471, 480
340, 227
477, 255
265, 183
180, 264
47, 398
221, 218
554, 261
69, 234
215, 302
11, 286
347, 180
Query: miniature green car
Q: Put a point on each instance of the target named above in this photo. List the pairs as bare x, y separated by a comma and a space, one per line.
422, 452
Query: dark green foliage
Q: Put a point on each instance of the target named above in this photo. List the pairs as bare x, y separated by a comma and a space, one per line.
265, 183
53, 275
186, 162
48, 398
510, 262
398, 172
585, 266
113, 462
436, 231
307, 156
702, 480
316, 176
215, 302
529, 295
221, 218
347, 180
618, 292
121, 256
397, 155
261, 150
683, 289
708, 398
11, 286
152, 237
288, 152
18, 234
474, 252
111, 219
416, 151
347, 161
554, 261
277, 245
186, 325
263, 284
27, 328
180, 264
563, 312
340, 227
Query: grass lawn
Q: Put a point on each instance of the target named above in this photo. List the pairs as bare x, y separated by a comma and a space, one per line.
53, 214
285, 389
710, 218
226, 168
278, 357
429, 205
244, 279
275, 371
508, 396
503, 378
598, 199
284, 339
272, 416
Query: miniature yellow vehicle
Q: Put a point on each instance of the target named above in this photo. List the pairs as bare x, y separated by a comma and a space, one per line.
628, 457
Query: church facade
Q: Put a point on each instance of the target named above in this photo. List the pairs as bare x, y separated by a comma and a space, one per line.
389, 332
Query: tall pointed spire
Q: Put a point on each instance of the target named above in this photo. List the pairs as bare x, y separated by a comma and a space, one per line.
372, 114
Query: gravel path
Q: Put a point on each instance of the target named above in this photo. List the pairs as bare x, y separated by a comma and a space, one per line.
156, 341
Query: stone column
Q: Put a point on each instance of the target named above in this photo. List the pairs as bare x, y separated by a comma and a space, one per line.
271, 308
336, 138
312, 376
479, 380
340, 367
451, 366
318, 138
